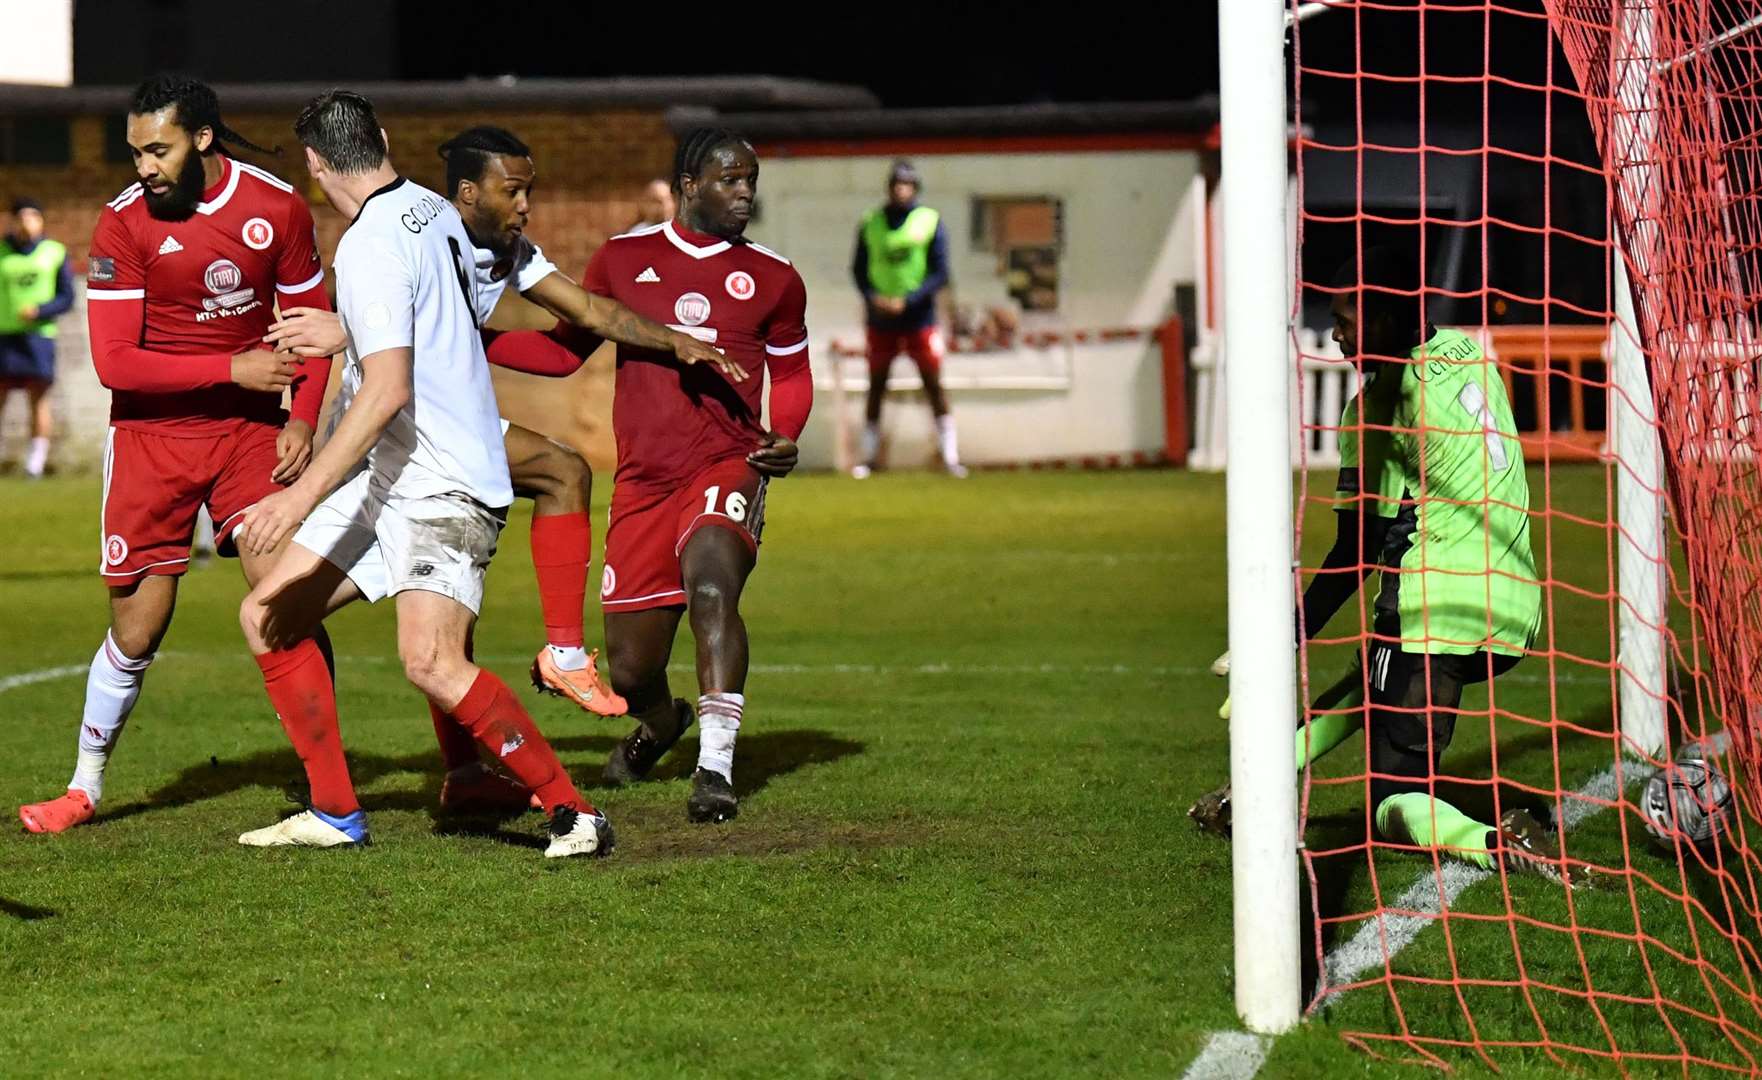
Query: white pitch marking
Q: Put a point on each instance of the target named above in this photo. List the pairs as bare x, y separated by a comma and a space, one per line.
1378, 940
13, 682
1129, 670
1228, 1055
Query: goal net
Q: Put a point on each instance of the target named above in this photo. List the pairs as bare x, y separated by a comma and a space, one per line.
1555, 172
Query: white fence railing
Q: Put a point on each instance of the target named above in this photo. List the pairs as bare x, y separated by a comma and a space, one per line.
1322, 383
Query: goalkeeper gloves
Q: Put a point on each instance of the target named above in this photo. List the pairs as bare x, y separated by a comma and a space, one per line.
1221, 668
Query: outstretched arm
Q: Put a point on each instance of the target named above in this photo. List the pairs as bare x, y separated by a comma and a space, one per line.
612, 320
1357, 544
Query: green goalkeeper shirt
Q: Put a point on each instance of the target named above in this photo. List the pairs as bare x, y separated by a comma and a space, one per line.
1467, 576
1383, 500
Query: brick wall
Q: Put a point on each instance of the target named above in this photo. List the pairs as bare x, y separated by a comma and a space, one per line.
592, 167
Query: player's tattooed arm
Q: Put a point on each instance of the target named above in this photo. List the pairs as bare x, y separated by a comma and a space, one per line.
612, 320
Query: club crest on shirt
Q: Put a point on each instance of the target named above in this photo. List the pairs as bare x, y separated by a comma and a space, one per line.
257, 234
740, 285
692, 309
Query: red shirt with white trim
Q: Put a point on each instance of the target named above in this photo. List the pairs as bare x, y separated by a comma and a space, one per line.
170, 302
671, 420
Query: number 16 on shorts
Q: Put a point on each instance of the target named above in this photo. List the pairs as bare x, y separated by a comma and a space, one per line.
734, 507
650, 529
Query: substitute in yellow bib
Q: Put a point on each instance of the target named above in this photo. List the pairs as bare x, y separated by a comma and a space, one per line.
35, 288
901, 264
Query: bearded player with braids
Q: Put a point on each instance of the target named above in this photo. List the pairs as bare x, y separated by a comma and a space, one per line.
693, 457
186, 268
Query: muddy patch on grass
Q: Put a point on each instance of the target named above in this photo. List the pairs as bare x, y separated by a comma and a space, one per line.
662, 833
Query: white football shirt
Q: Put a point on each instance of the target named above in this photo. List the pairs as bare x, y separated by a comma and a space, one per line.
406, 278
524, 267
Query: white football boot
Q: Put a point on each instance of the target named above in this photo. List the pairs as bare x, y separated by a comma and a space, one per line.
311, 828
575, 833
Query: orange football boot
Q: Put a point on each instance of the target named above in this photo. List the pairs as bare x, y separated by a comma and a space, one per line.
58, 814
585, 687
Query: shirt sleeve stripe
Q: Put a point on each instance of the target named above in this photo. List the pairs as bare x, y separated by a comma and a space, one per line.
790, 351
309, 283
116, 294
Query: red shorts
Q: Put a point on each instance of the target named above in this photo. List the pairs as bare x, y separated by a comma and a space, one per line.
153, 485
923, 346
650, 529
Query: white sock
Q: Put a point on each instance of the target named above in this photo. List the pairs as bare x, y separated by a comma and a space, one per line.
871, 443
718, 722
951, 455
111, 689
568, 657
204, 539
38, 456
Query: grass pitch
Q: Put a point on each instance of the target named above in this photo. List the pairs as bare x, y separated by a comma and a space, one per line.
977, 715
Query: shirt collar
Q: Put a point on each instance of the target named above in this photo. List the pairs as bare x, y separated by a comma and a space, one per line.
393, 186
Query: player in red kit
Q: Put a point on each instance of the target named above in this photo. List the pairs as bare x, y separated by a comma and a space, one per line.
186, 269
688, 507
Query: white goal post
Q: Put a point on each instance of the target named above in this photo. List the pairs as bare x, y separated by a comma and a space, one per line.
1263, 683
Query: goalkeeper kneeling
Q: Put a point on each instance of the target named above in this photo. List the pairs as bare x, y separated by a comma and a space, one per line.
1459, 601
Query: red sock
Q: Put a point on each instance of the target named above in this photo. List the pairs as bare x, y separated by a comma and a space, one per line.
457, 746
562, 546
299, 687
493, 714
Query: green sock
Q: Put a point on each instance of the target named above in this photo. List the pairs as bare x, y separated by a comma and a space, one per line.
1409, 818
1329, 730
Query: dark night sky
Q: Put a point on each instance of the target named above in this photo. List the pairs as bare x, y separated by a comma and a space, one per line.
938, 53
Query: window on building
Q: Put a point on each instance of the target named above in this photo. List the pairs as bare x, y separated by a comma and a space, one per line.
116, 140
35, 140
1026, 234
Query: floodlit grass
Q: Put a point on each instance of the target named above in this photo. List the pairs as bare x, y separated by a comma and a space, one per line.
978, 713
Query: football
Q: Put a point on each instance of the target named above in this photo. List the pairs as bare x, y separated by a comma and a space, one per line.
1690, 800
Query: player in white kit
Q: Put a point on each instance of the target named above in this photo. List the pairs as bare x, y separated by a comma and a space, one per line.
420, 522
490, 175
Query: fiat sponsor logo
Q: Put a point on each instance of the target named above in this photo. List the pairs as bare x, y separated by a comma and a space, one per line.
692, 309
222, 276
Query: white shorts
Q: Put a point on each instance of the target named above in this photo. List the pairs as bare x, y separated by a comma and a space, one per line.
437, 543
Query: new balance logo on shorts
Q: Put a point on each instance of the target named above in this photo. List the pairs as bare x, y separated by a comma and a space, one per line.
648, 277
171, 246
421, 569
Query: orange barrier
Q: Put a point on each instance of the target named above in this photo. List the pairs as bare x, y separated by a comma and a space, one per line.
1558, 378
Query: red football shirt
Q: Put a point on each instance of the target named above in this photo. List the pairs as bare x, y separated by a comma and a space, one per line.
671, 419
170, 302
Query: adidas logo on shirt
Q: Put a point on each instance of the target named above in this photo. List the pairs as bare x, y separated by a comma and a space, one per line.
170, 246
648, 277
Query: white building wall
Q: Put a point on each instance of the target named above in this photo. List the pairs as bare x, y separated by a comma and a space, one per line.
1129, 240
80, 403
1131, 236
